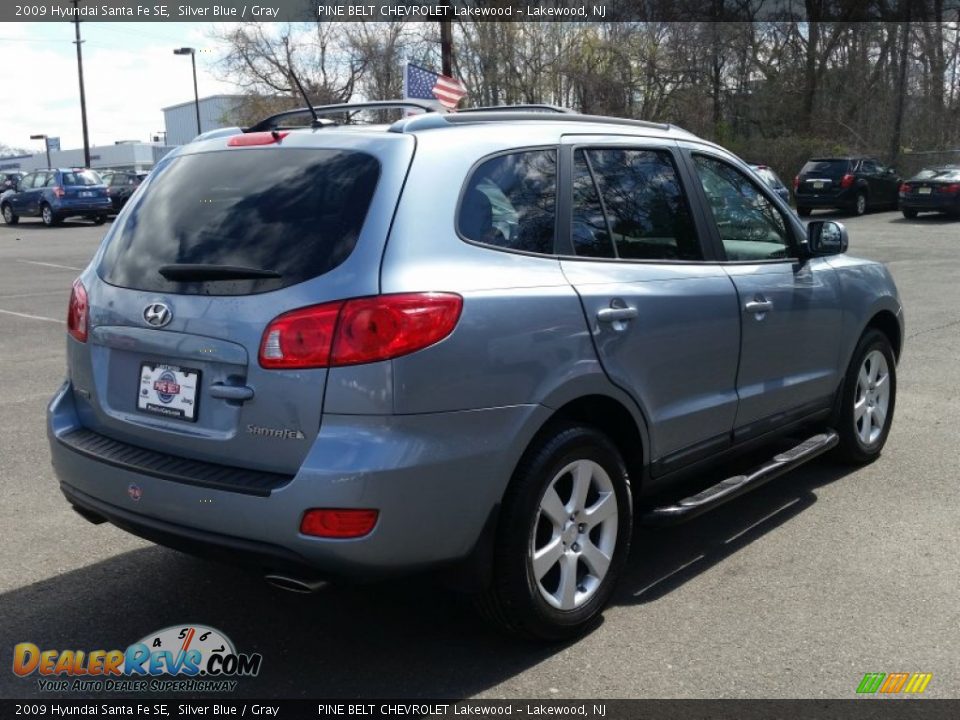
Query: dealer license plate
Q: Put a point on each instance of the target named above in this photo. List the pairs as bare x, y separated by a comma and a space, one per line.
923, 191
168, 390
818, 185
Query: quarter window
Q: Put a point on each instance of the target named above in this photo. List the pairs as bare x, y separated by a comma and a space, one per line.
750, 226
636, 209
510, 202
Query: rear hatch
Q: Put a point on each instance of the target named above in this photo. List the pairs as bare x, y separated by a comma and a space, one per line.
82, 187
171, 362
822, 177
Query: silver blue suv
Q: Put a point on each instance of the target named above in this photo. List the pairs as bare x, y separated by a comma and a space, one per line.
487, 343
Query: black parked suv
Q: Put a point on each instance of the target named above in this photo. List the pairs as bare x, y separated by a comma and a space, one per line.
120, 186
854, 184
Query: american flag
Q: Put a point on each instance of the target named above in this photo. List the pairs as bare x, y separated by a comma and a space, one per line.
425, 85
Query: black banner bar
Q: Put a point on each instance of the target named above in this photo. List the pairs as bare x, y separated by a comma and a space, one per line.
461, 10
871, 708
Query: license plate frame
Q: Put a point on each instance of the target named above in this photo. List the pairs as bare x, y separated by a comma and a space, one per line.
86, 193
924, 191
818, 185
181, 404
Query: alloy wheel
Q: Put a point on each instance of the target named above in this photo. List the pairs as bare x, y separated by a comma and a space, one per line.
872, 399
574, 535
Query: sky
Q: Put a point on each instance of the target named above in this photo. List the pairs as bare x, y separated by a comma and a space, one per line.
129, 70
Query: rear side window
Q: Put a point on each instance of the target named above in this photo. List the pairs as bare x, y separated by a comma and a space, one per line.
637, 202
510, 202
294, 212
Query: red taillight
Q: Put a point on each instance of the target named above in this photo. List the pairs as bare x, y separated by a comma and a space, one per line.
338, 523
58, 191
300, 339
359, 331
78, 312
256, 138
952, 188
846, 181
904, 189
796, 182
388, 326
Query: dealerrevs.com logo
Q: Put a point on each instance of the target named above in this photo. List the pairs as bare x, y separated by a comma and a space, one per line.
187, 658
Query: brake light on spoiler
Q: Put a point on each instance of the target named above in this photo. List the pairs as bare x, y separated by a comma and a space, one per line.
357, 331
257, 138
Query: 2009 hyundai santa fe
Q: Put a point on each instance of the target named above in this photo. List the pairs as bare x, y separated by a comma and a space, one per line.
488, 341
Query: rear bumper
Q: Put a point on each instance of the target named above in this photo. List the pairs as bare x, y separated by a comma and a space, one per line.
96, 207
932, 203
434, 478
827, 200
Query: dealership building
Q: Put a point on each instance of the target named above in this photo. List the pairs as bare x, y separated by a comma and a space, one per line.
180, 122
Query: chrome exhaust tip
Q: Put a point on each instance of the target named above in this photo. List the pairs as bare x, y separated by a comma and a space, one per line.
293, 584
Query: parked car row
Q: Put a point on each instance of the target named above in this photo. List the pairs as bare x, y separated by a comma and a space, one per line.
54, 194
859, 184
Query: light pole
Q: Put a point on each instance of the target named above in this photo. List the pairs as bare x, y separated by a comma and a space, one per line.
46, 144
196, 96
83, 97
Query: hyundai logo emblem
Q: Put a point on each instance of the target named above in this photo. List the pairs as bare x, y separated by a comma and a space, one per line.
157, 314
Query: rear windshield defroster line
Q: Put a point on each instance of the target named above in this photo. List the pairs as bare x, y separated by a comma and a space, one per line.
292, 214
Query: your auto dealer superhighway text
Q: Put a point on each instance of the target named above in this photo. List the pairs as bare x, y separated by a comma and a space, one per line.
458, 709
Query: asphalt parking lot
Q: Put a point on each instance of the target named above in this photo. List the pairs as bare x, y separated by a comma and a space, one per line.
795, 590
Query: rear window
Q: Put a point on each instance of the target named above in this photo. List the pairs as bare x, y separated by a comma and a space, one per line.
945, 174
827, 168
81, 177
294, 212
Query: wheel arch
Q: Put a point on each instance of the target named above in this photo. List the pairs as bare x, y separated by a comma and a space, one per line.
886, 322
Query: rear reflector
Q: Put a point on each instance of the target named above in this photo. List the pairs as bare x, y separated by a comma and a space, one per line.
359, 331
78, 312
338, 523
256, 138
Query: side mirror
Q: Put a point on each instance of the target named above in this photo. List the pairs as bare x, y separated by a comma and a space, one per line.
825, 237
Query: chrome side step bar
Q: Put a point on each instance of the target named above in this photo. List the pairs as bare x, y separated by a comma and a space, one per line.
727, 489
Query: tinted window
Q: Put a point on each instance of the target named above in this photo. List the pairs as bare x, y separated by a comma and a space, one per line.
81, 177
643, 202
826, 168
295, 212
510, 202
589, 231
27, 182
750, 226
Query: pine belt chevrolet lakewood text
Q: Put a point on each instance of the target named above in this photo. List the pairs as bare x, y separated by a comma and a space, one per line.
488, 343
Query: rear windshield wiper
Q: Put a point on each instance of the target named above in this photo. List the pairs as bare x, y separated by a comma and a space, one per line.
199, 272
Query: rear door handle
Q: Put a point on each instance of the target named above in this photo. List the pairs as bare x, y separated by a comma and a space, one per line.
231, 392
758, 306
616, 314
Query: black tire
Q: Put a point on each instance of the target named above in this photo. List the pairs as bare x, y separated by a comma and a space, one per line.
803, 211
909, 213
48, 216
99, 219
859, 206
514, 601
9, 217
852, 448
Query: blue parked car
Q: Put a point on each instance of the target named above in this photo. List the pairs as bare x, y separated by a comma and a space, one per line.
55, 194
767, 174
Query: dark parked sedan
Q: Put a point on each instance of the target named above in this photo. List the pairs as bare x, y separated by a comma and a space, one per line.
932, 190
120, 186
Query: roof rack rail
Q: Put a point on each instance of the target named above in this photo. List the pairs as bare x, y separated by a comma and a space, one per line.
271, 123
430, 122
536, 107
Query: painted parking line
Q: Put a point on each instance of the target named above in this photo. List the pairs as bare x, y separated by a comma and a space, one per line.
32, 317
53, 265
